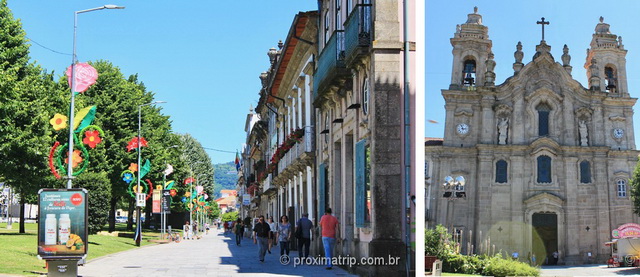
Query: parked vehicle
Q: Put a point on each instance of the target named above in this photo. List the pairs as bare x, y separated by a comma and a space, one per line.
624, 252
121, 219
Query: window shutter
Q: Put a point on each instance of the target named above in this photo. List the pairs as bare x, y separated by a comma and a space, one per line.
360, 182
321, 190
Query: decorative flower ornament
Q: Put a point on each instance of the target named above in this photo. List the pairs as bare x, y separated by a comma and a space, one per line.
133, 143
128, 178
133, 167
173, 192
92, 138
77, 159
85, 76
59, 122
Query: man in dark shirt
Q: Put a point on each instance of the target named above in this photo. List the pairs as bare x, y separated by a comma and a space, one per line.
261, 230
306, 225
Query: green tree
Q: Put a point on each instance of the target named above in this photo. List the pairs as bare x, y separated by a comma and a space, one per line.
99, 189
635, 189
199, 162
230, 216
214, 211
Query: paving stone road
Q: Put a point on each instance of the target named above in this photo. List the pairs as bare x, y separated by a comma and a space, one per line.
214, 255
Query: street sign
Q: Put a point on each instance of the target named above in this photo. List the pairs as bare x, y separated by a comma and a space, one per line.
166, 201
141, 199
246, 199
155, 202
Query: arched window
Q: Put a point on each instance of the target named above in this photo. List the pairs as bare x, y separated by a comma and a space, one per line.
543, 119
585, 172
622, 187
544, 169
610, 77
469, 73
501, 171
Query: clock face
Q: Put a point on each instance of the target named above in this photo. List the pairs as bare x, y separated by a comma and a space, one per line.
618, 133
462, 128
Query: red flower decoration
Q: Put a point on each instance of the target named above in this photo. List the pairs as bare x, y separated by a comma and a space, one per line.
133, 143
173, 192
77, 159
92, 138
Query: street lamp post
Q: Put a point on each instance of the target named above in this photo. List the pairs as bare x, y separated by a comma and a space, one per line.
73, 84
139, 188
163, 219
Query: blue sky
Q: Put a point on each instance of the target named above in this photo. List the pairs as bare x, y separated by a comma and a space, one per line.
202, 57
572, 23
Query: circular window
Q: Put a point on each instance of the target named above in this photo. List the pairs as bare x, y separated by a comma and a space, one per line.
365, 96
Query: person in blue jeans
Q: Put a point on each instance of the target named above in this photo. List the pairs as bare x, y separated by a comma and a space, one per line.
237, 229
329, 225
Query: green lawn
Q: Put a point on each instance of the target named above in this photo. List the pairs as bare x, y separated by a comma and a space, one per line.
19, 251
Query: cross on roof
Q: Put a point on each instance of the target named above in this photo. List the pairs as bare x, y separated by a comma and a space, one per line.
543, 23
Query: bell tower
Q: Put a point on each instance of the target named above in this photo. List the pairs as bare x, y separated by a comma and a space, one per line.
606, 62
471, 48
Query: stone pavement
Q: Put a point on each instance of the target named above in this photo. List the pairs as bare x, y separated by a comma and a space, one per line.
214, 255
588, 270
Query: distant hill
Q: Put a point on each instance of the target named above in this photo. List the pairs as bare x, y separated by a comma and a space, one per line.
225, 177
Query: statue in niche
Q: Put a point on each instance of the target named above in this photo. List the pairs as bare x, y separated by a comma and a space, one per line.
584, 140
503, 128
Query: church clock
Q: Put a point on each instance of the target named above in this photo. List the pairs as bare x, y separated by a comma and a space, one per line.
618, 133
462, 129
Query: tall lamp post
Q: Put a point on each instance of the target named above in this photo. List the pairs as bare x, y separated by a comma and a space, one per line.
138, 188
73, 85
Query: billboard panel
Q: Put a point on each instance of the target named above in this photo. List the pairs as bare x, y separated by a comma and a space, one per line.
62, 224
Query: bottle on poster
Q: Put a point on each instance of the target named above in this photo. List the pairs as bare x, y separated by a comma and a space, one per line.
64, 228
50, 230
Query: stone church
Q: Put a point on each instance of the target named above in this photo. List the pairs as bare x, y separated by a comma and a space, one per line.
546, 161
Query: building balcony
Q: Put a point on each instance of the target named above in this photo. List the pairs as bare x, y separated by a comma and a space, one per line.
358, 33
267, 186
331, 70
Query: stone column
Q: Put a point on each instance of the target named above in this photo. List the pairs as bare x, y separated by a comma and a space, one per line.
603, 209
572, 217
487, 126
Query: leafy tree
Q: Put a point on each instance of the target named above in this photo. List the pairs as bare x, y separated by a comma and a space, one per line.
635, 189
214, 211
198, 162
99, 189
27, 93
230, 216
226, 177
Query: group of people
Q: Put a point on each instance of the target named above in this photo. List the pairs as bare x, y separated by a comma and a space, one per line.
268, 234
190, 231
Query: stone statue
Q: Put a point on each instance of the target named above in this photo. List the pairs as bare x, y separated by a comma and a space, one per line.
458, 28
584, 141
503, 126
518, 54
594, 80
490, 76
566, 58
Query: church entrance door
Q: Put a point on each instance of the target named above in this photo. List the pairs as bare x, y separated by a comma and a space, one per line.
545, 237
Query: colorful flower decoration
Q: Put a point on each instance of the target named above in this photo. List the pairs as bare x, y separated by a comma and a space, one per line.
128, 178
59, 122
92, 138
184, 200
187, 194
77, 159
173, 192
188, 180
133, 167
82, 124
85, 76
199, 189
133, 143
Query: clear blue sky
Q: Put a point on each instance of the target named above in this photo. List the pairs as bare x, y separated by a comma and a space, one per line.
572, 23
202, 57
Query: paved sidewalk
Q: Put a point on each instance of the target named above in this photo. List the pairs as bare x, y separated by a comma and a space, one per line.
214, 255
588, 270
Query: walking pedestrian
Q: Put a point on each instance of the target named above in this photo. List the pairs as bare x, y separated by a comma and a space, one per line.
555, 257
206, 226
237, 229
247, 226
261, 232
284, 235
305, 240
330, 230
272, 233
186, 231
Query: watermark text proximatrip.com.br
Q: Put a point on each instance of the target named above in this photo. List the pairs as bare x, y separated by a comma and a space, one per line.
341, 260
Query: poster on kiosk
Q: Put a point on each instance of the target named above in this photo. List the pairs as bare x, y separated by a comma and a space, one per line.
62, 223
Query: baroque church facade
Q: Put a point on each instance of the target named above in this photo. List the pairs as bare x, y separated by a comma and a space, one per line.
546, 161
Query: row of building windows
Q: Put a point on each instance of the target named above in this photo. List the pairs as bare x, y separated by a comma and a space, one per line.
544, 173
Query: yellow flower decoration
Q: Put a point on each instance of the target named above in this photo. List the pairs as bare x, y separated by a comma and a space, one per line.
59, 122
133, 167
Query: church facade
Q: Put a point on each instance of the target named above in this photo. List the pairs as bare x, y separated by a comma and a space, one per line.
546, 161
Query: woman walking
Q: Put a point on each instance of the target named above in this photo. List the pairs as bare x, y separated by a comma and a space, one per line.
284, 235
272, 234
